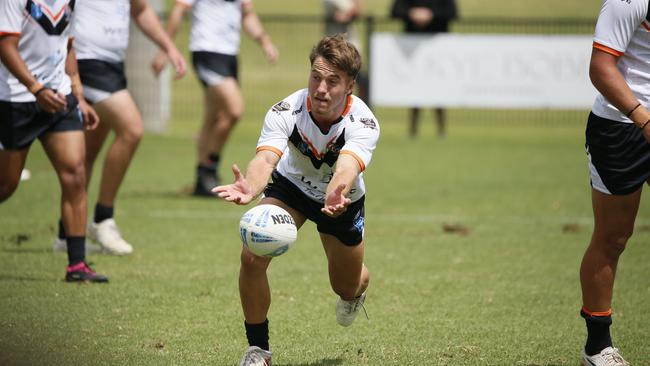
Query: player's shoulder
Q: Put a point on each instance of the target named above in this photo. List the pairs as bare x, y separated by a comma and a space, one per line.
625, 8
361, 116
291, 105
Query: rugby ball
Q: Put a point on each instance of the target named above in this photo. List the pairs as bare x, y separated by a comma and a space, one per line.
267, 230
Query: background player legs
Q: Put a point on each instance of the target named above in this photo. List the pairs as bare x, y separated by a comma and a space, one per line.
441, 122
349, 277
119, 113
414, 117
613, 224
224, 106
66, 151
12, 163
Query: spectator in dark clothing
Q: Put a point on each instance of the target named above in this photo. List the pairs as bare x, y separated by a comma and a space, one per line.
425, 16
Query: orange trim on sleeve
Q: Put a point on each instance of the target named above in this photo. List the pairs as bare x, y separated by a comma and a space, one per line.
269, 148
362, 166
597, 313
9, 33
606, 49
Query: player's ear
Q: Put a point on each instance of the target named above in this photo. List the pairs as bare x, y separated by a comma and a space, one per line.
351, 86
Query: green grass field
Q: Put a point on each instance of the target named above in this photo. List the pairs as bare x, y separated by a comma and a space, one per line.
473, 244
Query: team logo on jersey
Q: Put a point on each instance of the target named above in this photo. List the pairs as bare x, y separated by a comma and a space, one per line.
297, 111
53, 21
329, 156
281, 107
368, 122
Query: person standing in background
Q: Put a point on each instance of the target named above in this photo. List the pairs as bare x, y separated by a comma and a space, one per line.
101, 32
214, 43
426, 17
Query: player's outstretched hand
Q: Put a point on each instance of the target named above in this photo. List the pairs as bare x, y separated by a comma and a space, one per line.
91, 119
239, 191
335, 202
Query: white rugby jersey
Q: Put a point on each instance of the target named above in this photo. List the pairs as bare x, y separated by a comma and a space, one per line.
623, 30
308, 156
101, 29
216, 25
44, 31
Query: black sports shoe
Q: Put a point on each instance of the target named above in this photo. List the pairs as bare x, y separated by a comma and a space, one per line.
81, 272
204, 185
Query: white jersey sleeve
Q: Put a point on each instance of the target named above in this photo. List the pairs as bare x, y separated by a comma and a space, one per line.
275, 131
12, 18
617, 23
361, 140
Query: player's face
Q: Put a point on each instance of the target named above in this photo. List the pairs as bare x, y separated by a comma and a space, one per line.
328, 90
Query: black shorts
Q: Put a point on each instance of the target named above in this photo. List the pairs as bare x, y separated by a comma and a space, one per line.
348, 227
211, 67
101, 79
619, 156
22, 123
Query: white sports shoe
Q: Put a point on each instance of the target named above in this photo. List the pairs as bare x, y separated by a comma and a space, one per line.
256, 356
346, 311
61, 245
607, 357
108, 236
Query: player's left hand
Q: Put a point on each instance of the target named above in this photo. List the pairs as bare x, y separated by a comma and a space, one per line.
177, 60
90, 117
335, 202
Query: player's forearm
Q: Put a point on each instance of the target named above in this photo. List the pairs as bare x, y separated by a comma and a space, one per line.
258, 173
347, 171
175, 19
609, 81
254, 28
147, 20
14, 63
72, 69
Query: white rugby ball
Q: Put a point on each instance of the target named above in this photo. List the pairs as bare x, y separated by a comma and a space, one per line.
267, 230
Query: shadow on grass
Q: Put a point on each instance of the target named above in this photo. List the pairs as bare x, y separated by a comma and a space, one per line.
323, 362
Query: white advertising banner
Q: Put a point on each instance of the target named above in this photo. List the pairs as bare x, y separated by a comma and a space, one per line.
482, 71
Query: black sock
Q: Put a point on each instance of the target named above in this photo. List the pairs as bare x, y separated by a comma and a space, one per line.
102, 213
258, 334
214, 158
76, 249
61, 234
598, 337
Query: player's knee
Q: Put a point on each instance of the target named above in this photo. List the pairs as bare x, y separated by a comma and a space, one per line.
133, 134
616, 243
251, 263
73, 176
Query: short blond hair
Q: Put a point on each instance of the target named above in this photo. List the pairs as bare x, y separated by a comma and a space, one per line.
339, 52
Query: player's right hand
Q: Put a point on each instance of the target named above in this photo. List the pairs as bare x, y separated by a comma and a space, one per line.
50, 101
239, 191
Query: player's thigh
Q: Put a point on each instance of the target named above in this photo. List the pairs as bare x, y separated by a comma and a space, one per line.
227, 97
614, 215
345, 262
121, 114
66, 150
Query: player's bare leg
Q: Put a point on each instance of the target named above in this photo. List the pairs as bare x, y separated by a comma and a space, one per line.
12, 163
614, 218
349, 277
224, 106
119, 113
254, 290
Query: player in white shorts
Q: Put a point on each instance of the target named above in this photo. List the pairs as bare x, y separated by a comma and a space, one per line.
618, 148
214, 43
315, 144
41, 97
101, 32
